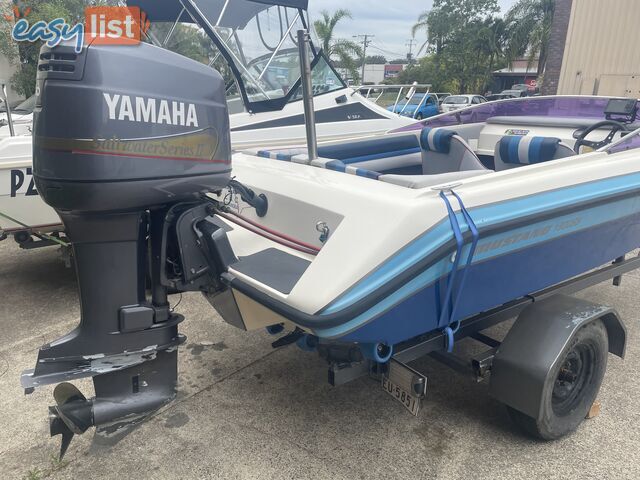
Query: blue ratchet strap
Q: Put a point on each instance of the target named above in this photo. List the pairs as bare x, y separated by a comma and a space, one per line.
452, 275
450, 329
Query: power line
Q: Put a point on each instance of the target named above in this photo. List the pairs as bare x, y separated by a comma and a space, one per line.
389, 52
365, 43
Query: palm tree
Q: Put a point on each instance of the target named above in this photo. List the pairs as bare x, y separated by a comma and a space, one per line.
449, 19
491, 41
530, 27
421, 24
339, 48
429, 23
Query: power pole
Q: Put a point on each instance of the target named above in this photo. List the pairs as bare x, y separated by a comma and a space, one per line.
365, 43
410, 43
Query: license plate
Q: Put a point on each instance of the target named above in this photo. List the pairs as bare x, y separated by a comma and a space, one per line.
410, 402
400, 382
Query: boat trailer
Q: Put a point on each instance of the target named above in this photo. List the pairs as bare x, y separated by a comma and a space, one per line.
521, 368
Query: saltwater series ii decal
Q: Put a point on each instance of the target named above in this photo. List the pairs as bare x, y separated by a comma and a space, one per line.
151, 110
197, 146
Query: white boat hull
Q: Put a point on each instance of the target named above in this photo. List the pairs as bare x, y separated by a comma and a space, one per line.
350, 118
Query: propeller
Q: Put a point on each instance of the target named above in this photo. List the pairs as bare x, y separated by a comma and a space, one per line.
72, 414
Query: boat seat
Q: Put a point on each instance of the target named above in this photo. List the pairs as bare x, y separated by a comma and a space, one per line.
423, 181
384, 153
517, 151
339, 166
390, 153
444, 151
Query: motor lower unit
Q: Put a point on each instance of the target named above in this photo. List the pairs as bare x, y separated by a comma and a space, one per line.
126, 159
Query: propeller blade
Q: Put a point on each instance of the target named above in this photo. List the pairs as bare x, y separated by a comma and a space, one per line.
58, 427
71, 415
66, 392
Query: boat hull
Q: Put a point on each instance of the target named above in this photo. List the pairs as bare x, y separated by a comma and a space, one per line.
510, 262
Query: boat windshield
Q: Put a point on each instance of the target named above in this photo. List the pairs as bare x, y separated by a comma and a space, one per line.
251, 42
583, 107
26, 106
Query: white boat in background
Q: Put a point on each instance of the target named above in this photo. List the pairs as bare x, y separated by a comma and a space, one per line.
264, 56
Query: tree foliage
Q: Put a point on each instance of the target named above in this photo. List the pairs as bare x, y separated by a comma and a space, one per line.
375, 60
530, 22
185, 40
466, 41
25, 54
344, 51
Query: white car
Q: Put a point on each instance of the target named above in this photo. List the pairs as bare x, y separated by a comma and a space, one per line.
456, 102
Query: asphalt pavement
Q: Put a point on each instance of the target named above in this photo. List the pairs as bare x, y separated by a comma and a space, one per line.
246, 411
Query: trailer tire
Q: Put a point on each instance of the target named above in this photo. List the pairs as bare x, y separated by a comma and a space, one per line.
23, 236
572, 386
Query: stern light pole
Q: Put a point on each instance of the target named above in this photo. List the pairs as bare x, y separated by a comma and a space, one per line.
6, 103
307, 94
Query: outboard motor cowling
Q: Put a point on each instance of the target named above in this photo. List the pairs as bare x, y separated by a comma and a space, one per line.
127, 140
123, 127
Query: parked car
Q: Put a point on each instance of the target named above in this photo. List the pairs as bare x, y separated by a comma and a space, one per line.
500, 96
523, 87
456, 102
442, 96
417, 107
514, 93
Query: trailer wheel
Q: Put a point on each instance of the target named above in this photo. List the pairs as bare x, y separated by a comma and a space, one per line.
572, 388
22, 237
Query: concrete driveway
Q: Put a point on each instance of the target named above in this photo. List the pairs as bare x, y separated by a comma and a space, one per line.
246, 411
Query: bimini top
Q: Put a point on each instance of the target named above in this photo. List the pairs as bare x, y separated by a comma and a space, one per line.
219, 13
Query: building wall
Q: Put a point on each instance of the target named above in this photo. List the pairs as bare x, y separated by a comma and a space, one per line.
373, 74
557, 41
599, 54
392, 70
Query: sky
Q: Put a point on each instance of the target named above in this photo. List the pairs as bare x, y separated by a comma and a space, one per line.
389, 20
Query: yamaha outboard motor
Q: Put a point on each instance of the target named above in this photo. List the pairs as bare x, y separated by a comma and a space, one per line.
127, 142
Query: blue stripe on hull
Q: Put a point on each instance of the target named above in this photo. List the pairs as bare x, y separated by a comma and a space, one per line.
503, 278
494, 214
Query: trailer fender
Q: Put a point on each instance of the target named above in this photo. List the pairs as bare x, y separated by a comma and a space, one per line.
533, 346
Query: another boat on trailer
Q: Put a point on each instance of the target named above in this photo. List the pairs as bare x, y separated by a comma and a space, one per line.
350, 249
265, 102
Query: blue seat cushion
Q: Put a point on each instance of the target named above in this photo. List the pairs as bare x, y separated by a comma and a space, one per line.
365, 150
436, 139
518, 150
339, 166
282, 154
